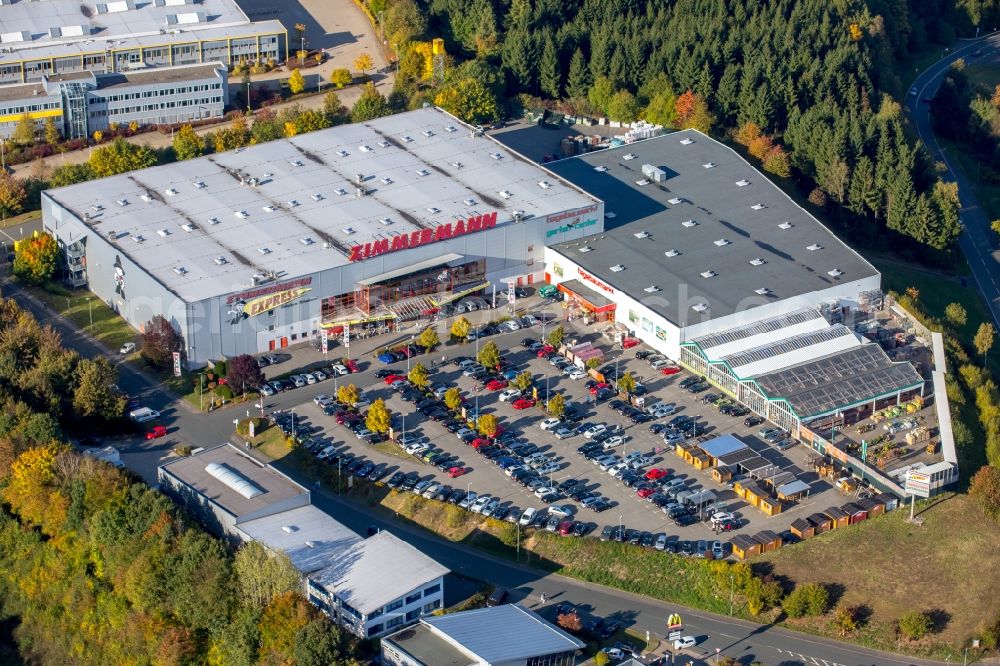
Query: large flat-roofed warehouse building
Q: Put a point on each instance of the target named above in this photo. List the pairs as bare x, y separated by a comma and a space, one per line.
259, 248
710, 263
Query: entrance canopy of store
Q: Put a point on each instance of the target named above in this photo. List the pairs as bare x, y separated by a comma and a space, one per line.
588, 298
412, 268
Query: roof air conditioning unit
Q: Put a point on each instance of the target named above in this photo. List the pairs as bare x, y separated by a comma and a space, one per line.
342, 153
814, 247
296, 163
359, 179
457, 165
757, 261
220, 261
213, 220
505, 194
674, 201
180, 270
628, 156
384, 221
359, 192
306, 241
145, 197
264, 250
291, 203
171, 192
268, 208
365, 149
316, 197
288, 529
671, 253
600, 169
122, 202
617, 268
496, 156
469, 202
163, 233
708, 274
450, 129
188, 227
406, 138
386, 180
642, 181
340, 191
432, 210
423, 172
348, 231
136, 238
199, 185
383, 143
98, 207
242, 214
427, 133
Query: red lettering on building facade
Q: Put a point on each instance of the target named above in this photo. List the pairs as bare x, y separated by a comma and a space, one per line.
423, 237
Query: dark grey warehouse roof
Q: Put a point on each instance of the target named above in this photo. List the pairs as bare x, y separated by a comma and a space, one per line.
839, 380
718, 213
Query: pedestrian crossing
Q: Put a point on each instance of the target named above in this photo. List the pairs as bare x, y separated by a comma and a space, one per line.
811, 661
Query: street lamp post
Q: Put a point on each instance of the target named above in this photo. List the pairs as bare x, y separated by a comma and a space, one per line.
201, 391
292, 410
90, 307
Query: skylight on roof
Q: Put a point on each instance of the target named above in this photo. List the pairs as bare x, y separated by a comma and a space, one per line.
836, 272
651, 289
628, 156
586, 248
268, 208
383, 143
469, 202
699, 307
505, 194
171, 192
763, 291
689, 223
316, 196
785, 225
423, 172
306, 240
264, 250
432, 210
199, 185
758, 206
385, 221
757, 261
709, 165
600, 169
188, 227
496, 156
641, 234
242, 214
342, 153
162, 233
742, 183
340, 191
291, 203
617, 268
122, 202
814, 247
349, 231
708, 274
672, 253
180, 270
406, 138
450, 129
686, 142
722, 242
296, 163
674, 201
213, 220
220, 261
544, 184
146, 197
365, 148
642, 181
137, 238
427, 133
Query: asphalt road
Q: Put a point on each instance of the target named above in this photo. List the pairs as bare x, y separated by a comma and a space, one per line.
977, 241
744, 640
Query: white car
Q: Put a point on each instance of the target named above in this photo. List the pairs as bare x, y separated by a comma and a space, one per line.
265, 389
656, 365
547, 468
549, 424
530, 320
620, 469
661, 542
512, 325
614, 654
490, 507
127, 348
310, 378
613, 441
544, 490
563, 433
594, 430
608, 463
326, 453
468, 499
416, 447
480, 503
685, 642
339, 369
528, 516
319, 375
298, 380
561, 510
722, 517
509, 394
577, 373
322, 399
431, 490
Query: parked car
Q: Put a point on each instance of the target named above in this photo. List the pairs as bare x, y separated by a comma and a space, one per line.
156, 432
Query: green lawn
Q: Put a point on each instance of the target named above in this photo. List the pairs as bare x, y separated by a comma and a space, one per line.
271, 443
88, 313
23, 218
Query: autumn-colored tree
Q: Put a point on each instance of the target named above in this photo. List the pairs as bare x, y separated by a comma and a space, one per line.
469, 99
348, 394
35, 258
685, 105
956, 315
453, 398
262, 576
523, 380
570, 622
983, 340
13, 194
159, 341
24, 131
237, 135
460, 328
556, 335
817, 197
759, 146
488, 425
602, 659
747, 132
995, 99
363, 63
341, 77
279, 625
419, 376
120, 156
96, 393
370, 105
489, 355
296, 82
378, 418
556, 406
626, 382
29, 491
915, 624
777, 161
187, 144
428, 338
845, 620
311, 120
243, 372
623, 107
692, 112
290, 129
52, 135
985, 489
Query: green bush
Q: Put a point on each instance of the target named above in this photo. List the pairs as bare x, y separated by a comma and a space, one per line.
811, 599
914, 625
220, 368
224, 392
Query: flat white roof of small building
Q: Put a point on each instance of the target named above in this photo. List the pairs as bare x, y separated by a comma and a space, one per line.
310, 537
201, 232
55, 28
371, 572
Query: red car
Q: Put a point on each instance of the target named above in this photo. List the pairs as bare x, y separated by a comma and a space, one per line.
670, 370
645, 492
656, 473
346, 417
393, 378
480, 441
545, 351
457, 471
628, 343
496, 384
566, 527
523, 403
598, 386
351, 365
157, 431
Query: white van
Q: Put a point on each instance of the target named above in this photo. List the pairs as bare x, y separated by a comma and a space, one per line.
143, 414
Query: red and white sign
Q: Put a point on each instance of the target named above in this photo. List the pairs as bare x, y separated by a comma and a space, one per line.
423, 237
575, 213
587, 277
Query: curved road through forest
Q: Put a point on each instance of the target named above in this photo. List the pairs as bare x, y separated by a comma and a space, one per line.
977, 241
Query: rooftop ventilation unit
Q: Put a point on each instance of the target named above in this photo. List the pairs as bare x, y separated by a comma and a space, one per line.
708, 274
432, 210
383, 143
742, 183
496, 156
686, 142
342, 153
423, 172
642, 181
450, 129
722, 242
291, 203
384, 221
220, 261
406, 138
122, 202
469, 202
544, 184
814, 247
316, 196
709, 165
628, 156
651, 289
180, 270
671, 253
617, 268
268, 208
199, 185
137, 238
146, 197
427, 133
386, 180
340, 191
456, 165
674, 201
641, 234
699, 307
763, 291
600, 169
171, 192
97, 207
689, 223
836, 272
296, 163
242, 214
586, 248
785, 225
188, 227
758, 206
264, 250
757, 261
505, 194
162, 233
213, 220
365, 148
306, 241
348, 231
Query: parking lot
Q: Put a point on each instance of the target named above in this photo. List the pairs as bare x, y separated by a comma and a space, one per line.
559, 459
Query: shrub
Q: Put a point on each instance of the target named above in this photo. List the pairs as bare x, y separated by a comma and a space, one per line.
224, 392
914, 625
810, 599
220, 368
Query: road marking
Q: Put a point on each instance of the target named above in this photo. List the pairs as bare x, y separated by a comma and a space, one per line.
816, 661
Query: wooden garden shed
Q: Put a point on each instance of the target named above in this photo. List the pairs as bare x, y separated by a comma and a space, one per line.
770, 506
838, 518
888, 500
745, 546
821, 522
722, 474
768, 540
872, 506
802, 528
856, 513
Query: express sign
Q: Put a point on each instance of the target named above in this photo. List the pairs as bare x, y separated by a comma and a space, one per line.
260, 305
423, 237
